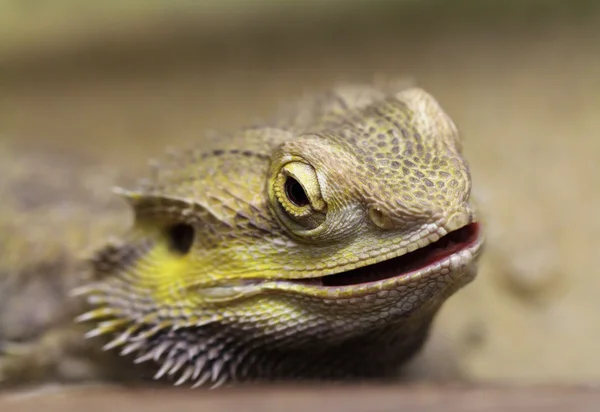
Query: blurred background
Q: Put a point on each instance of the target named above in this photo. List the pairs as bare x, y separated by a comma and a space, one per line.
117, 81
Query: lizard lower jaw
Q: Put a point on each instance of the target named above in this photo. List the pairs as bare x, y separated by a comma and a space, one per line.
462, 243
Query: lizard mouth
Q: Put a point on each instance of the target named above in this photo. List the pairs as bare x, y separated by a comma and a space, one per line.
412, 262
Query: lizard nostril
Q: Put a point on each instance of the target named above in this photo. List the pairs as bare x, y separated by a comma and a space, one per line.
380, 218
181, 237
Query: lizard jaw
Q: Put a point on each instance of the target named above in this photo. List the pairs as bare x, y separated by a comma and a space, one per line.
463, 242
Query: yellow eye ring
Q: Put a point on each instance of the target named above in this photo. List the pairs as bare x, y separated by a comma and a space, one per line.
298, 195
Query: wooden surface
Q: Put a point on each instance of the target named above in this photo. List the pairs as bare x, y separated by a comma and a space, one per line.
282, 399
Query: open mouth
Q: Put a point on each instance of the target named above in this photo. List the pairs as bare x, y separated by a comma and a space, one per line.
454, 242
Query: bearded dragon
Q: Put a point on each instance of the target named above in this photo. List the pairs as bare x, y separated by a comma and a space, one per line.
319, 245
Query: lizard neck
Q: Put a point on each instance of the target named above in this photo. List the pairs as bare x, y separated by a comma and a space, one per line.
379, 354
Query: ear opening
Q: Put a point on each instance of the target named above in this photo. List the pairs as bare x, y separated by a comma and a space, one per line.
181, 237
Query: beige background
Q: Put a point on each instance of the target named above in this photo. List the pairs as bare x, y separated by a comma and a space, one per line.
119, 82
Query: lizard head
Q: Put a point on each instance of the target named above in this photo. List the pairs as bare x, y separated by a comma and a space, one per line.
312, 235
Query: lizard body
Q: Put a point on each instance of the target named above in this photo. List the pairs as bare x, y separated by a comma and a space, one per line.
319, 246
55, 207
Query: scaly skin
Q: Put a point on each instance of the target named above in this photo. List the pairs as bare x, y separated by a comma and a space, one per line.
55, 207
226, 274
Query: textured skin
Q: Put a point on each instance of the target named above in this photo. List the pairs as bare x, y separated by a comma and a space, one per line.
217, 279
55, 208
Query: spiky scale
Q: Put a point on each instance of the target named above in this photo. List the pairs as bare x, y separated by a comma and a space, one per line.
185, 376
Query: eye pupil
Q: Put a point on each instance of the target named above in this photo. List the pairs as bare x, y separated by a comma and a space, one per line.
181, 237
295, 192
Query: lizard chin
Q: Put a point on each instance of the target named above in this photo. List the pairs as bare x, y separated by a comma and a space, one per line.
463, 243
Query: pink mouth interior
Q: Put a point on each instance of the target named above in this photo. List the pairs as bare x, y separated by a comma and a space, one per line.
448, 245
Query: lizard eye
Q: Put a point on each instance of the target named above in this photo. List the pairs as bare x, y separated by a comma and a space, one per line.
295, 192
298, 195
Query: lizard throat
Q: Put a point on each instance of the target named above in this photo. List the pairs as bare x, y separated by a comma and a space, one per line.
416, 261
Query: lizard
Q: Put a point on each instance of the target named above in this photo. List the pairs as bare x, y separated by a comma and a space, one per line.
319, 244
